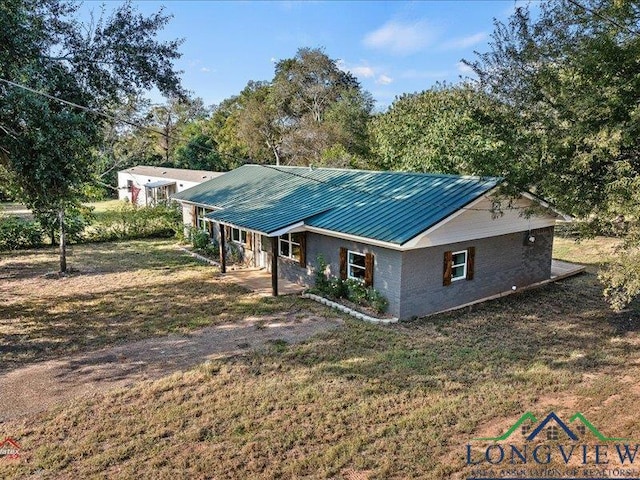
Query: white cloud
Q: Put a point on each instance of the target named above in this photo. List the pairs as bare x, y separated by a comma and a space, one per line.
362, 70
384, 80
205, 69
401, 38
465, 42
464, 69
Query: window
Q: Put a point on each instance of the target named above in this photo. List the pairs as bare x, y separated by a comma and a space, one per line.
201, 222
129, 185
552, 433
265, 243
458, 265
356, 265
238, 236
289, 246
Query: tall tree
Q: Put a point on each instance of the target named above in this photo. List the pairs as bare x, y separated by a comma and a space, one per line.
47, 146
308, 113
572, 78
448, 129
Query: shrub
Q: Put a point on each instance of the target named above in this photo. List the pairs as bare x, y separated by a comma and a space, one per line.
76, 220
234, 254
349, 289
199, 239
128, 221
321, 279
16, 233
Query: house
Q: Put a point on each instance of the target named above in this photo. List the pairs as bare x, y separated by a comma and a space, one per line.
148, 185
427, 242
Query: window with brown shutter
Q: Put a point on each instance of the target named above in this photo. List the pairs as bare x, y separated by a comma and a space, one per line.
368, 270
458, 265
343, 263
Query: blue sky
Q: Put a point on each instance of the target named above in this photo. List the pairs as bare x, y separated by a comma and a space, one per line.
392, 47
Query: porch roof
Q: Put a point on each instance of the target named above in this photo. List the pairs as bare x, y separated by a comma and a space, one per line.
159, 183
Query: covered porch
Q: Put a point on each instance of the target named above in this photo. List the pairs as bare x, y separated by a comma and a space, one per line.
259, 280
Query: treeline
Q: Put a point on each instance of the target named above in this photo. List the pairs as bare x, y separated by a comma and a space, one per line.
554, 109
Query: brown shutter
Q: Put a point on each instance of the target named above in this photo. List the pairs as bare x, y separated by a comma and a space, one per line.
194, 215
303, 249
343, 263
368, 269
448, 262
249, 240
471, 258
227, 233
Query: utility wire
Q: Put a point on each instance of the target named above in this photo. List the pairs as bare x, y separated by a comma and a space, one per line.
116, 118
605, 18
134, 124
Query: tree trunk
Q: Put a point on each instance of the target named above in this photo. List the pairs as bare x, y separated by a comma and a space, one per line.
63, 243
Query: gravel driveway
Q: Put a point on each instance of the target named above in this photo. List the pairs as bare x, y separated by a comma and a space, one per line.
41, 386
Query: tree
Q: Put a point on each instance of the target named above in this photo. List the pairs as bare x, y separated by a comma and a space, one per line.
572, 78
308, 113
447, 129
47, 146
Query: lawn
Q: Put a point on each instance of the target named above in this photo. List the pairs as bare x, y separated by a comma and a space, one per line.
362, 401
116, 292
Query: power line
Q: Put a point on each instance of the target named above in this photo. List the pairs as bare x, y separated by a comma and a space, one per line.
605, 18
150, 129
115, 118
134, 124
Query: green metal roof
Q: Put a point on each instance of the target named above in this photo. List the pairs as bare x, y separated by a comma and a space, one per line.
386, 206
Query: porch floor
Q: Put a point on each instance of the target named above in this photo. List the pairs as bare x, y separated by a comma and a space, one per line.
560, 269
258, 280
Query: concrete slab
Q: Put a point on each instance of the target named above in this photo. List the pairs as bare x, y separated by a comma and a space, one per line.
258, 280
560, 269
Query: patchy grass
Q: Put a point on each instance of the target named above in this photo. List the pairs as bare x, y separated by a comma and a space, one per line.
592, 253
104, 205
362, 401
116, 292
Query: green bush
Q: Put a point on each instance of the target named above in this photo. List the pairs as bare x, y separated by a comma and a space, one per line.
349, 289
200, 239
129, 221
16, 233
76, 221
233, 254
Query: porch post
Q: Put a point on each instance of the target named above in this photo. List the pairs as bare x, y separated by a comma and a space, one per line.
223, 257
274, 266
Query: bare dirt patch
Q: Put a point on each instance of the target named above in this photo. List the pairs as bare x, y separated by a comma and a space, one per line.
38, 387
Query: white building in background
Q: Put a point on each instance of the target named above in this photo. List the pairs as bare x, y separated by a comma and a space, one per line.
148, 186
